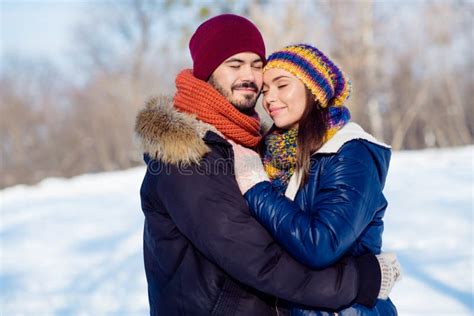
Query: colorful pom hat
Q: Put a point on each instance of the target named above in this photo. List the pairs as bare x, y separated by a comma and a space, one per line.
320, 75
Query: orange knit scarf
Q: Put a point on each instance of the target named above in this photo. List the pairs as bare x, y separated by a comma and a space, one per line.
200, 98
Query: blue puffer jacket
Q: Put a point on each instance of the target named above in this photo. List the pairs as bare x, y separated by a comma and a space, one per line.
337, 212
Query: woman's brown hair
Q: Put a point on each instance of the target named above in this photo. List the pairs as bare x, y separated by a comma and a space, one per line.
312, 128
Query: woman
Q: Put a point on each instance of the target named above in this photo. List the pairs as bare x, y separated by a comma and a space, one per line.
324, 199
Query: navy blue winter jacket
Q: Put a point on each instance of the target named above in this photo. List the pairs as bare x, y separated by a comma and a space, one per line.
338, 212
204, 253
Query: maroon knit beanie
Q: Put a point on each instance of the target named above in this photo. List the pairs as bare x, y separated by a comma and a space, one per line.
220, 37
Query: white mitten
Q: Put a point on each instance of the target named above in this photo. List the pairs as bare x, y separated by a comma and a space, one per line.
248, 167
391, 273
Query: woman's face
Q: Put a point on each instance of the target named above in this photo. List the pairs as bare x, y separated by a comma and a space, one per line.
284, 97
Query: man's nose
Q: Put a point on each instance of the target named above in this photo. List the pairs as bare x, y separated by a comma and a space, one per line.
248, 74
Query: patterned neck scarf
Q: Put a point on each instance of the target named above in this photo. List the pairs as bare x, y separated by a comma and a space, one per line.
279, 157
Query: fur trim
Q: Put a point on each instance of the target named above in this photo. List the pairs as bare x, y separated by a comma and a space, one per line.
171, 136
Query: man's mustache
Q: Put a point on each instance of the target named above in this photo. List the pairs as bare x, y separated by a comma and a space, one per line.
246, 85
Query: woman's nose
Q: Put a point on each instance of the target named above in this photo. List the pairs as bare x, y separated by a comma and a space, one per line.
269, 96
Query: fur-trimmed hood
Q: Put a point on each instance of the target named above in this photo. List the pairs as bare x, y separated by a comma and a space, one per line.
171, 136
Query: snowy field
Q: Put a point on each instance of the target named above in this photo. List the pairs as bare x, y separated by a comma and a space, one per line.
73, 247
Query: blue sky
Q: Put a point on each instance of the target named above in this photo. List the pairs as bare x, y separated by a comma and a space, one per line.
35, 28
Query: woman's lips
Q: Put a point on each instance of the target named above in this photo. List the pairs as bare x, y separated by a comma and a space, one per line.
275, 111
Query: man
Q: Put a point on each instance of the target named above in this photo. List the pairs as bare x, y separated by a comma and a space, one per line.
204, 254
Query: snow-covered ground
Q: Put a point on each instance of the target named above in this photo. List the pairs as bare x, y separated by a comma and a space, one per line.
73, 247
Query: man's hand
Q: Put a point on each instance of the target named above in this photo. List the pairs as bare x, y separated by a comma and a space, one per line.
391, 273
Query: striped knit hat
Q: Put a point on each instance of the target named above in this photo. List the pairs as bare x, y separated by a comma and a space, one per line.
319, 74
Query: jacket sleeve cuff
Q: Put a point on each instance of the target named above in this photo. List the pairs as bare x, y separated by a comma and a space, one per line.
256, 189
369, 280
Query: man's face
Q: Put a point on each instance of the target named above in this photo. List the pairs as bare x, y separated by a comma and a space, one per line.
239, 79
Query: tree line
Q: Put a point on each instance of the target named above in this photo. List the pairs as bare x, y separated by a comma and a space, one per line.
410, 64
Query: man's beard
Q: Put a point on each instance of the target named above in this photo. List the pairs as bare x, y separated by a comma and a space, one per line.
245, 106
